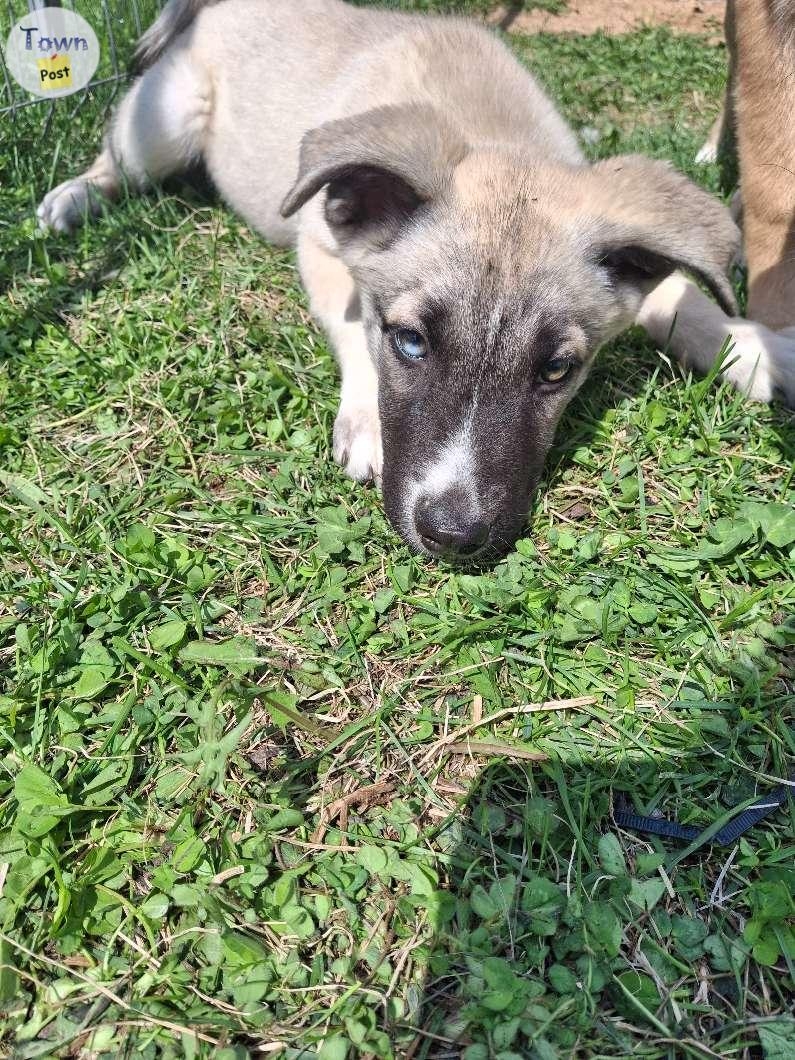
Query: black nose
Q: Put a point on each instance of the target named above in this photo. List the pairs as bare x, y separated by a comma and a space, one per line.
446, 526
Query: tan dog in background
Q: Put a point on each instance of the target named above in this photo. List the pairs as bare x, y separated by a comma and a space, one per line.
759, 116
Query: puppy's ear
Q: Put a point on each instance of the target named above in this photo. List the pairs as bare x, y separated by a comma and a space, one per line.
379, 168
654, 220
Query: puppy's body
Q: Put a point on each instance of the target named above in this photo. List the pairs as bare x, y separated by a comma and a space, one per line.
337, 60
464, 259
243, 83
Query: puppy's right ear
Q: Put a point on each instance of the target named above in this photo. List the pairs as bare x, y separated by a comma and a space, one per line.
379, 167
655, 220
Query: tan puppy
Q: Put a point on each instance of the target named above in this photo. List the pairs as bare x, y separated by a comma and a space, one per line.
464, 258
759, 116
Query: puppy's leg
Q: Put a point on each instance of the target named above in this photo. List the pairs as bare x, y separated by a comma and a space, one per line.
158, 130
334, 301
679, 316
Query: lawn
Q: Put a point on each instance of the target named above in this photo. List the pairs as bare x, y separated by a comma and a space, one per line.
272, 786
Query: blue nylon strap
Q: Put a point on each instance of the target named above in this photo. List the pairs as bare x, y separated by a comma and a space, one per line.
625, 817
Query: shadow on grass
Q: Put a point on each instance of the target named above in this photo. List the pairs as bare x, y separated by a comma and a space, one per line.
568, 936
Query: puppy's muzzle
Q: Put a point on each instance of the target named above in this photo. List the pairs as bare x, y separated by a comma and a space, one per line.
448, 526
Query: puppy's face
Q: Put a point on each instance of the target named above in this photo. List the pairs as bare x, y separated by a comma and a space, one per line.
483, 319
485, 293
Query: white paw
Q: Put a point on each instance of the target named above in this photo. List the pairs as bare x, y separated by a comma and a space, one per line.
708, 153
764, 363
357, 442
66, 207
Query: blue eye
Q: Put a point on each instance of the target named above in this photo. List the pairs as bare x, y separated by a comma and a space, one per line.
409, 343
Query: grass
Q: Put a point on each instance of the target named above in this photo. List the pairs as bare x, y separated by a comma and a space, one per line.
271, 786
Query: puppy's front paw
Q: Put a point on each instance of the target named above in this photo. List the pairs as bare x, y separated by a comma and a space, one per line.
66, 207
357, 443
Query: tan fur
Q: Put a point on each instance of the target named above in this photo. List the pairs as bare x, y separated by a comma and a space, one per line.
764, 95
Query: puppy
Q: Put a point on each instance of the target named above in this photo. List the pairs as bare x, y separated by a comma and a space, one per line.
464, 259
758, 121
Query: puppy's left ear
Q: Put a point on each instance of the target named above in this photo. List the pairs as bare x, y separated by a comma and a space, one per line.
654, 220
378, 167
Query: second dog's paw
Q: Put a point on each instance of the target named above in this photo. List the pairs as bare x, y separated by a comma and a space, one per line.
763, 363
707, 154
357, 443
66, 207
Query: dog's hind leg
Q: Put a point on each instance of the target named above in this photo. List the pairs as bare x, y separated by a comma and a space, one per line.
720, 145
708, 152
679, 317
334, 301
158, 130
765, 100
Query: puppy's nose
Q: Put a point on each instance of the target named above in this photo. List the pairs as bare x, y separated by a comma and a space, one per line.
446, 526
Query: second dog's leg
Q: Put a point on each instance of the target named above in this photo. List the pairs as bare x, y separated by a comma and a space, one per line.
158, 130
679, 316
335, 303
709, 150
765, 100
720, 145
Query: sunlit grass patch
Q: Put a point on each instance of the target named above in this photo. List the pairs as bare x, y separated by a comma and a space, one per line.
271, 785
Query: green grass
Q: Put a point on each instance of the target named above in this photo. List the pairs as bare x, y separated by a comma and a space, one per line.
267, 782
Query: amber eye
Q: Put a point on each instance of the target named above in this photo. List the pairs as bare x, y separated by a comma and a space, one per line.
556, 369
